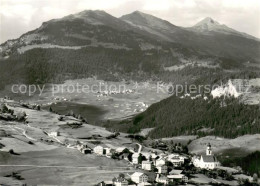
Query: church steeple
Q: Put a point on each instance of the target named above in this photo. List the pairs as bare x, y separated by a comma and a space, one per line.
208, 150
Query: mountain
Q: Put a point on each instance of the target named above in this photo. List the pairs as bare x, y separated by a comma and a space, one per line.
238, 46
210, 25
151, 24
135, 46
87, 28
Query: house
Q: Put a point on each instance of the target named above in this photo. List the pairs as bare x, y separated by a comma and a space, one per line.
176, 159
154, 156
162, 169
177, 175
139, 177
120, 182
98, 150
147, 165
106, 183
135, 157
55, 133
161, 179
120, 149
86, 150
160, 161
101, 183
147, 155
180, 177
175, 172
81, 146
208, 161
107, 151
176, 162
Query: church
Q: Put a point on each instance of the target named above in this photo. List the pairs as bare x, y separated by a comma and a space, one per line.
208, 161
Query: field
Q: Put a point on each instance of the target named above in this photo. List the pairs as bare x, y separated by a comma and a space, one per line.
240, 146
61, 166
41, 158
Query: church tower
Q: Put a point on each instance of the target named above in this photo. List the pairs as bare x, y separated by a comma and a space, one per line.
209, 151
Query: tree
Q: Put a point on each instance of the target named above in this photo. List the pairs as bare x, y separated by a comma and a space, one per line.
130, 157
113, 180
61, 118
4, 108
21, 116
121, 175
141, 158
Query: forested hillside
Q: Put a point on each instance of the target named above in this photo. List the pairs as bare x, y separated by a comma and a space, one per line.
56, 65
175, 116
250, 164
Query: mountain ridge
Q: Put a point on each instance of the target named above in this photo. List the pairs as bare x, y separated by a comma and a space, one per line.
150, 46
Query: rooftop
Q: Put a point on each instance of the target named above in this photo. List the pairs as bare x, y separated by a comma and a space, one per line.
209, 158
137, 174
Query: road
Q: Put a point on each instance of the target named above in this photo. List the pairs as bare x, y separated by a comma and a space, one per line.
140, 147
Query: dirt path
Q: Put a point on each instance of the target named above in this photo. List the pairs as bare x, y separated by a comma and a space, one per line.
23, 132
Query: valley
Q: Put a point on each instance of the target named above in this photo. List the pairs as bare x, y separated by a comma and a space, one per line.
108, 99
38, 151
93, 99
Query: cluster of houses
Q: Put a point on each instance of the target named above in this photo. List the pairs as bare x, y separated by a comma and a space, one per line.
112, 92
193, 97
157, 164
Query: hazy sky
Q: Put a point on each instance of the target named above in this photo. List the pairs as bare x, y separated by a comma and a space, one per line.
20, 16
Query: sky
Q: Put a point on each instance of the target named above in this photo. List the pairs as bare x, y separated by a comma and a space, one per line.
20, 16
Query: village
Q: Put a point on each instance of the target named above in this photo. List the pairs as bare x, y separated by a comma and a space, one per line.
154, 168
155, 163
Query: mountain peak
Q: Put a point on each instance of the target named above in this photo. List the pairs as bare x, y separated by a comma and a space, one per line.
207, 21
89, 12
140, 13
146, 20
209, 24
